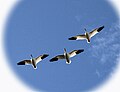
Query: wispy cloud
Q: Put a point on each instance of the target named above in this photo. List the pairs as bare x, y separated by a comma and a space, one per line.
106, 49
118, 58
98, 73
107, 46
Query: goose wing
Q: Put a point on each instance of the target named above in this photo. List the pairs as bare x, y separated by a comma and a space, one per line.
95, 31
57, 57
75, 52
24, 62
40, 58
78, 37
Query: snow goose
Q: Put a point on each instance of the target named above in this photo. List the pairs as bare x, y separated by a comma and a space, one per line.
87, 35
67, 56
33, 61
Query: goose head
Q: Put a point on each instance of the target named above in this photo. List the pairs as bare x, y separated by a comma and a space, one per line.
85, 31
65, 50
31, 56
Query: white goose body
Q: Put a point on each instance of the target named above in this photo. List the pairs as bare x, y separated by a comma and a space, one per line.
67, 56
33, 61
87, 36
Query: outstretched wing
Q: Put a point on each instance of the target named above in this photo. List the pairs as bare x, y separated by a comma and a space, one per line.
95, 31
40, 58
56, 58
78, 37
24, 62
75, 52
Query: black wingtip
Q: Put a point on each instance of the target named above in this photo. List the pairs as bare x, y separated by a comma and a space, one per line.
99, 29
21, 63
79, 51
44, 56
53, 59
72, 38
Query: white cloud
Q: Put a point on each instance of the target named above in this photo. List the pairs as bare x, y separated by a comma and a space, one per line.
108, 45
106, 48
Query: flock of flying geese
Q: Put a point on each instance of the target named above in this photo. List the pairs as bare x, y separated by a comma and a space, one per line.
87, 36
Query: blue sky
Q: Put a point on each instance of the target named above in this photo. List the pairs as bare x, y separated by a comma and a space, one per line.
38, 27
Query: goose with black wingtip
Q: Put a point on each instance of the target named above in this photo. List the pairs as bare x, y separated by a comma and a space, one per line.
88, 35
33, 61
67, 56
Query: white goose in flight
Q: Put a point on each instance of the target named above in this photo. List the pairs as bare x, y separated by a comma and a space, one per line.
87, 35
67, 56
33, 61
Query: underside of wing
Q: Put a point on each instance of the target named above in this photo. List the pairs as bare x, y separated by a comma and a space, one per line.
78, 37
75, 52
56, 58
95, 31
41, 57
24, 62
